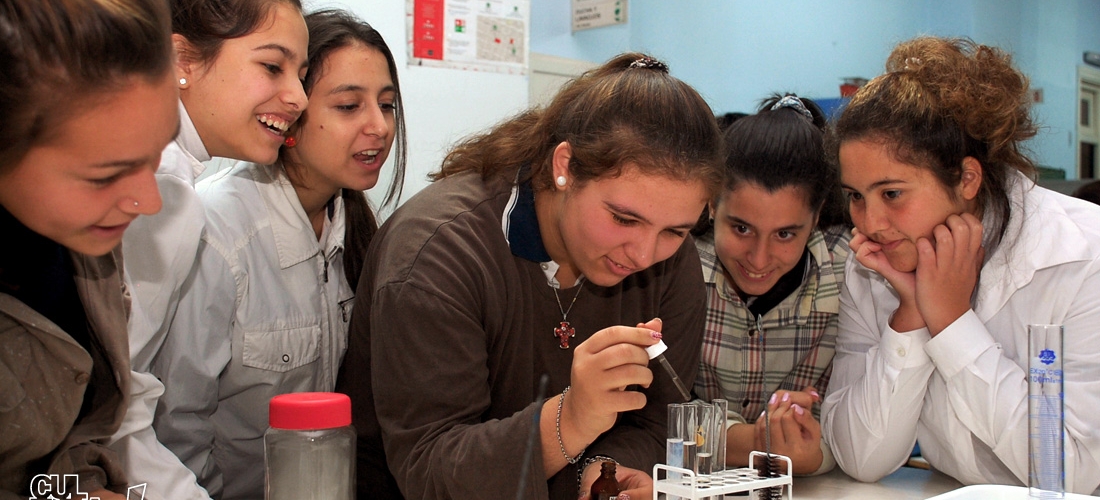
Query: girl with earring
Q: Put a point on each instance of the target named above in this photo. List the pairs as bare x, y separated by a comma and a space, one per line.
956, 251
74, 72
556, 243
266, 311
239, 65
773, 262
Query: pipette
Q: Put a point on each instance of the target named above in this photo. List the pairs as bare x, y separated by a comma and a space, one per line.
656, 351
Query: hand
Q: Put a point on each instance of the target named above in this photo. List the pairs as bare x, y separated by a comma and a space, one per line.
947, 273
603, 367
795, 432
907, 317
106, 495
632, 482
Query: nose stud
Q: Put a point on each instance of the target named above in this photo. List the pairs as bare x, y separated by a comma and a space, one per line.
135, 204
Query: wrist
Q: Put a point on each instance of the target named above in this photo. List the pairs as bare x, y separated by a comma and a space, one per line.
560, 422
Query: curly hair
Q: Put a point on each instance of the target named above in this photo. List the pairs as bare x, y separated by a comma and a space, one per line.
942, 100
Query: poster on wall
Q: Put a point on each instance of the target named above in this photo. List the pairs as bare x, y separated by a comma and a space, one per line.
475, 35
588, 14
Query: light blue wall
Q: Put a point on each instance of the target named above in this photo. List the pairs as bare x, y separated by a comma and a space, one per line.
737, 51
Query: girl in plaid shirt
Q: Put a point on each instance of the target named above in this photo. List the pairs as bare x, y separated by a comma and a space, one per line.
773, 261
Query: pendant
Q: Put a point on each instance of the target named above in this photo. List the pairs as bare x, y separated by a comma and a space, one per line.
564, 333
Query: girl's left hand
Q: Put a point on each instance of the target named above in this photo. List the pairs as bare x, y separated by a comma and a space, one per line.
633, 483
947, 273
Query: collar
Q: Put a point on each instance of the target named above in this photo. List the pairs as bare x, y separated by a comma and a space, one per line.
191, 144
520, 224
1038, 219
294, 236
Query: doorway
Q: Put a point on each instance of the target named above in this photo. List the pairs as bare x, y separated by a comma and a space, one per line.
1088, 123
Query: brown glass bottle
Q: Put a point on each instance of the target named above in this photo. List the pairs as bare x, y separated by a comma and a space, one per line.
606, 486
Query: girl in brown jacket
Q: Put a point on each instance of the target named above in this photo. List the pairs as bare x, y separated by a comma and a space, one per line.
88, 102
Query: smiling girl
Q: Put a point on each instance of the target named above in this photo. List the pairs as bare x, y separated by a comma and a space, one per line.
773, 264
547, 245
956, 251
238, 70
75, 72
267, 310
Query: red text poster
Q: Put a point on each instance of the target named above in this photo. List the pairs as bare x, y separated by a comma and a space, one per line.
427, 29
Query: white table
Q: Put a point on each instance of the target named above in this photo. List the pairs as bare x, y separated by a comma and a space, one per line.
904, 484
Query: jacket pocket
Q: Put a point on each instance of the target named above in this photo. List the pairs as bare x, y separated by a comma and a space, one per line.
282, 350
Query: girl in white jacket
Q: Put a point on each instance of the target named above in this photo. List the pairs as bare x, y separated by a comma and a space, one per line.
266, 309
238, 70
955, 252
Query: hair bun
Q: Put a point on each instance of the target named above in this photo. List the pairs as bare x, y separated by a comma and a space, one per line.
647, 62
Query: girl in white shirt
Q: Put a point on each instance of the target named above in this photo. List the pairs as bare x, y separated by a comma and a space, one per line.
955, 252
238, 70
266, 310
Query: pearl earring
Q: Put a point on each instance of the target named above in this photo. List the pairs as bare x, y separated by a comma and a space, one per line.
183, 81
561, 180
135, 204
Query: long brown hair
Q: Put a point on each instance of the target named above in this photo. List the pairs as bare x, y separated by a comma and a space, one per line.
941, 100
330, 30
56, 53
628, 110
207, 24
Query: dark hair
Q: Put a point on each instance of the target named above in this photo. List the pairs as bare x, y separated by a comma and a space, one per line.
330, 30
628, 110
940, 101
55, 54
1088, 192
778, 147
207, 24
727, 119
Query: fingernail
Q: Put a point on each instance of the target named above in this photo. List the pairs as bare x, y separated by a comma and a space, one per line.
798, 409
772, 400
655, 334
815, 394
786, 397
624, 496
659, 320
765, 412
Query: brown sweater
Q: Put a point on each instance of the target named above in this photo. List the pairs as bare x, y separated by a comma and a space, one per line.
455, 331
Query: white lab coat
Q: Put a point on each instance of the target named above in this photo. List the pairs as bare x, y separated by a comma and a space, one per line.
963, 394
264, 313
159, 252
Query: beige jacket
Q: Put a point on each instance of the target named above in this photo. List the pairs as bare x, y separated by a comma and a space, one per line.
43, 375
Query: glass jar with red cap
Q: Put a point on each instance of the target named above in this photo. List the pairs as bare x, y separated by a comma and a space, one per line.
309, 448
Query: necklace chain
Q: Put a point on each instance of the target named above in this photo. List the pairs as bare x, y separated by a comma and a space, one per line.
565, 312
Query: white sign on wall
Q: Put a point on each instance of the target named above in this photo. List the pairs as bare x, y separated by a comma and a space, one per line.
588, 14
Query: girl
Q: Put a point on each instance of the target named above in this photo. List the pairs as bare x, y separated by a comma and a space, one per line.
773, 263
956, 251
546, 246
89, 101
267, 309
238, 69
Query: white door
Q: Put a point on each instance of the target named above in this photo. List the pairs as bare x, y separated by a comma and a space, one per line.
1088, 124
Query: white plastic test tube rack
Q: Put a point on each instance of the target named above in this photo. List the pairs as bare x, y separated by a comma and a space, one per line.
695, 487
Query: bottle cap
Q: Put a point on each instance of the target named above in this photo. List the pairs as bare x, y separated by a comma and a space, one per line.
656, 349
309, 410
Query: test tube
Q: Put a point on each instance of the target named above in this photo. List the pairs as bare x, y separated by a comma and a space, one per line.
674, 445
705, 439
1046, 427
721, 407
688, 431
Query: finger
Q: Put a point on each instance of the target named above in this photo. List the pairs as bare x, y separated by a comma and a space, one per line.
793, 397
975, 230
643, 337
619, 377
792, 431
812, 391
961, 237
926, 256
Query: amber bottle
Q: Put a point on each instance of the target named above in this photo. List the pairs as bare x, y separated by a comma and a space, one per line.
606, 486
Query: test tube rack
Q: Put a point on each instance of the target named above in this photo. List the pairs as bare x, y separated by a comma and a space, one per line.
695, 487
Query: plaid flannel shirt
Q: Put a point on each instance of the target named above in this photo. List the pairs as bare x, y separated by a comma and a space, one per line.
799, 333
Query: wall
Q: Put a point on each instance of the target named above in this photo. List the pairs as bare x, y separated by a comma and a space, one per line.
737, 51
442, 106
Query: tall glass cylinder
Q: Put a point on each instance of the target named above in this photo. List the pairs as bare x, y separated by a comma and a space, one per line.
1046, 470
689, 431
674, 444
706, 439
721, 406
